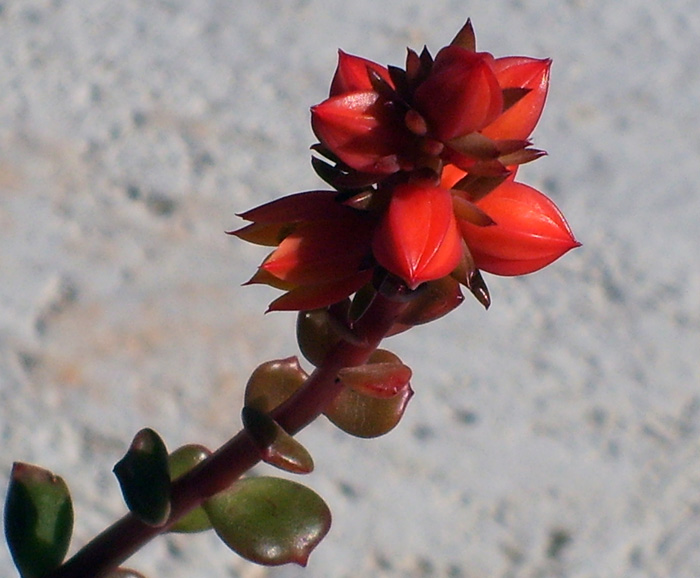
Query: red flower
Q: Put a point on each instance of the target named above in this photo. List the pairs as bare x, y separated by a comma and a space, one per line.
529, 231
323, 253
417, 238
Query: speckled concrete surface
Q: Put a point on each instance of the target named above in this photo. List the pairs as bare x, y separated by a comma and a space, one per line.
555, 435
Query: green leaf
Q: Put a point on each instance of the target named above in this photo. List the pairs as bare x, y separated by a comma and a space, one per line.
274, 382
270, 521
38, 519
181, 461
317, 334
368, 416
144, 478
276, 446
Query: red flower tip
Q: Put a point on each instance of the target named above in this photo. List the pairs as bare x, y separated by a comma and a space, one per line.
520, 72
530, 231
461, 95
351, 74
417, 238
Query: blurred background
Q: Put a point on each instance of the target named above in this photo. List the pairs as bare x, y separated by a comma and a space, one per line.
556, 435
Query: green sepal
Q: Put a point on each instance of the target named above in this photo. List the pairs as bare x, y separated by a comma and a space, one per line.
276, 446
38, 519
145, 479
181, 461
270, 521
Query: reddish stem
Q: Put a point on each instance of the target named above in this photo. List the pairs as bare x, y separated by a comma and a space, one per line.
118, 542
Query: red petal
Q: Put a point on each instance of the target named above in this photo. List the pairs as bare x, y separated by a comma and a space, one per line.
462, 93
308, 297
417, 238
322, 251
309, 206
519, 121
362, 129
351, 74
530, 231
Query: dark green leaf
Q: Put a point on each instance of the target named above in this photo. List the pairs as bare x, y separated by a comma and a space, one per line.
270, 521
144, 478
38, 519
181, 461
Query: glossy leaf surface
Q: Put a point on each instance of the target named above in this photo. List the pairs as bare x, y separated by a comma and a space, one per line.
144, 478
181, 461
273, 382
270, 521
276, 446
38, 519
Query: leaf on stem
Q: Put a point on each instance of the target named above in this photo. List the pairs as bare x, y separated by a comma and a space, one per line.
181, 461
273, 382
276, 446
38, 519
270, 521
144, 478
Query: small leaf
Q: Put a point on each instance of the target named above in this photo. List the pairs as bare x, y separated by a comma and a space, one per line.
181, 461
380, 380
270, 521
125, 573
144, 478
433, 300
465, 37
368, 417
38, 519
273, 382
317, 333
276, 446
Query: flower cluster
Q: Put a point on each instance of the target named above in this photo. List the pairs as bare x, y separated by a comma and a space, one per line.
422, 161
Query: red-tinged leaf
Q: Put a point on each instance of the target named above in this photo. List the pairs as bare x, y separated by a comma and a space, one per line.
465, 37
520, 118
270, 521
417, 239
367, 416
478, 288
433, 300
522, 156
125, 573
351, 74
144, 478
265, 234
381, 380
461, 95
38, 520
475, 145
308, 206
181, 461
262, 277
276, 446
467, 211
530, 232
362, 129
476, 187
273, 382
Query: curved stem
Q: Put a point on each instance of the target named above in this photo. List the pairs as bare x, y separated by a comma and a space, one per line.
118, 542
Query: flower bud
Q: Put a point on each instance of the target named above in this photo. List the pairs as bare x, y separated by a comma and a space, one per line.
519, 120
417, 238
351, 74
530, 231
461, 95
